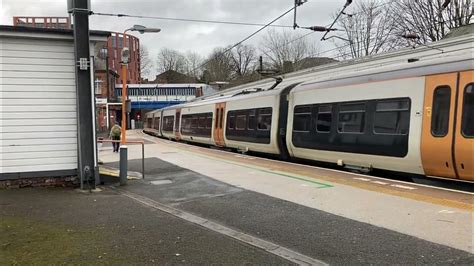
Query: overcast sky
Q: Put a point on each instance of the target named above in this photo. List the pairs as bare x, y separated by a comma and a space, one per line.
185, 36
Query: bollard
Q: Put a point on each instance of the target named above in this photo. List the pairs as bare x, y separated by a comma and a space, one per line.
123, 165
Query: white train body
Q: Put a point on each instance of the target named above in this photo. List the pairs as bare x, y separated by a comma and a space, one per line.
383, 112
412, 88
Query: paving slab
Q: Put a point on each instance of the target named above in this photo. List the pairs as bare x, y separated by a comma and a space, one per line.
312, 232
63, 226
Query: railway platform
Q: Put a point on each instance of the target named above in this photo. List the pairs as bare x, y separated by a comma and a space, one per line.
300, 213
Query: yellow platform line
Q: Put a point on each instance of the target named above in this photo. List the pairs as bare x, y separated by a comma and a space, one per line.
113, 172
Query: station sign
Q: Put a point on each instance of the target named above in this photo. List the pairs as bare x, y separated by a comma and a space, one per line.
100, 100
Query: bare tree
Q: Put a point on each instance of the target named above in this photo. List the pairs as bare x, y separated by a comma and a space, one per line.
370, 30
429, 20
193, 64
219, 66
145, 62
169, 59
284, 47
243, 60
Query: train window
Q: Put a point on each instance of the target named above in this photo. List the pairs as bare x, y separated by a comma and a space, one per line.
241, 122
264, 120
202, 122
302, 118
441, 110
186, 124
221, 118
252, 120
467, 124
392, 117
209, 121
351, 118
168, 122
217, 117
323, 124
231, 122
194, 122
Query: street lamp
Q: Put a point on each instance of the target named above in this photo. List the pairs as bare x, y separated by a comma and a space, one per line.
125, 60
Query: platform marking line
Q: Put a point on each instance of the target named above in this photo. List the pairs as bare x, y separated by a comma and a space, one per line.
447, 211
380, 183
362, 179
284, 174
365, 186
403, 187
165, 142
265, 245
114, 173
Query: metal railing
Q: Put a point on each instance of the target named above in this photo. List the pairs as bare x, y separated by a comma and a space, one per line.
99, 140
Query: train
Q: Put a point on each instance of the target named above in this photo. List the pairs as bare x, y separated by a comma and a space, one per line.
410, 111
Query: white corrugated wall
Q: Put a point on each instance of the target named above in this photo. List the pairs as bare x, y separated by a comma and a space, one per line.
38, 131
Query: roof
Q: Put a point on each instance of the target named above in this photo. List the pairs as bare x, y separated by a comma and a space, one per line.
315, 61
162, 85
460, 31
24, 29
172, 76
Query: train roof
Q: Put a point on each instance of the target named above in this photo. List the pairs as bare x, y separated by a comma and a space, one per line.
448, 45
446, 51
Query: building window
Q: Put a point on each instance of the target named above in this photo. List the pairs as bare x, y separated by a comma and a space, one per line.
302, 119
324, 119
441, 111
351, 118
468, 112
392, 117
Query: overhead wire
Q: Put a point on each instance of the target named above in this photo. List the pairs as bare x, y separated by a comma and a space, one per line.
241, 24
312, 32
186, 19
245, 39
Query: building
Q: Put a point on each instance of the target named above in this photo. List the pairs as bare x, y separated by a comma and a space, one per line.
114, 49
147, 97
113, 45
172, 77
38, 101
107, 64
43, 22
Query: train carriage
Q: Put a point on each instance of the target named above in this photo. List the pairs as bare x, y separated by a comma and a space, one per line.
251, 122
406, 111
170, 123
396, 118
152, 122
196, 123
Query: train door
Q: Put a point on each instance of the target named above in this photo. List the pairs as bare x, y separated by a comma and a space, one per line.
219, 125
438, 123
176, 124
464, 133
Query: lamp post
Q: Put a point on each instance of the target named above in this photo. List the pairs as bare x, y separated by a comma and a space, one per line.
125, 60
